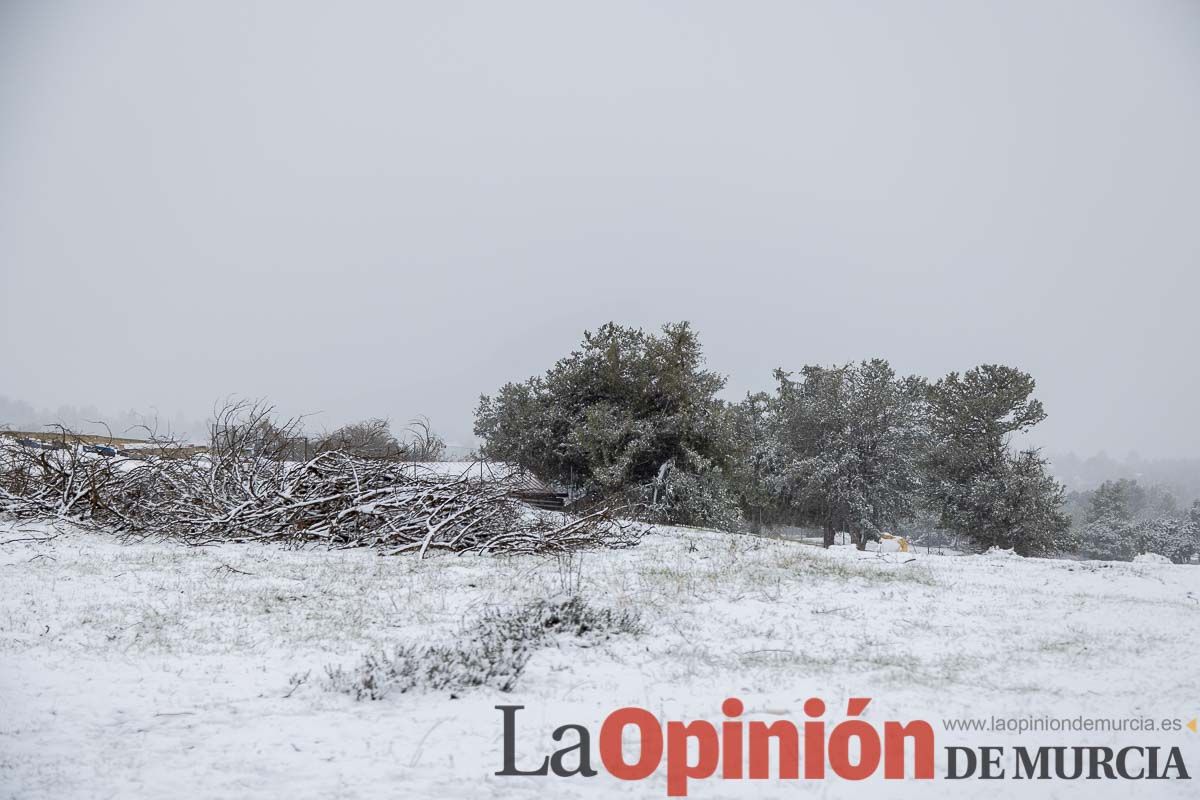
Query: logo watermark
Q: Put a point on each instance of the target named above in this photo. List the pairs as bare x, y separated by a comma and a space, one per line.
852, 749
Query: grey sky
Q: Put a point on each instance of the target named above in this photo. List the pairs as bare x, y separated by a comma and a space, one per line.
389, 208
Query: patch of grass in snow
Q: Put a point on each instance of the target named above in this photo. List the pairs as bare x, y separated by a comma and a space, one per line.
493, 651
744, 562
868, 572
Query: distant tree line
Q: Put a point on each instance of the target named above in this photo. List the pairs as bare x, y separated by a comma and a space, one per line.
853, 447
1122, 518
1178, 476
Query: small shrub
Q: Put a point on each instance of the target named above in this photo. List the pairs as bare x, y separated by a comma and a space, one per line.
492, 652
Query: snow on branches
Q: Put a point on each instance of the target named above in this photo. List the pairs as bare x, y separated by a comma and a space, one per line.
240, 491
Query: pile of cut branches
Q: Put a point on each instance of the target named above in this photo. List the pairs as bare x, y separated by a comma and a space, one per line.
238, 492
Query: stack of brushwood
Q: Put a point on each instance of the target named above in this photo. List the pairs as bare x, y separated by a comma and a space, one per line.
239, 492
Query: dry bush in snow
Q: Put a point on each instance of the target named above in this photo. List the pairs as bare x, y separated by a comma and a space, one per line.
492, 652
370, 438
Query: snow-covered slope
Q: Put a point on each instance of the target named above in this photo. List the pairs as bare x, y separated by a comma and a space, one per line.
153, 670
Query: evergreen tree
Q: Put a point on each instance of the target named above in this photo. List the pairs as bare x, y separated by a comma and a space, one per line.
980, 488
1121, 499
754, 459
1125, 519
630, 414
1109, 538
851, 441
1177, 539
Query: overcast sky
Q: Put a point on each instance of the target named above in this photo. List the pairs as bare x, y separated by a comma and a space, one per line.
388, 208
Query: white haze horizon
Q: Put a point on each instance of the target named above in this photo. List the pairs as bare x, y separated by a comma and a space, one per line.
389, 209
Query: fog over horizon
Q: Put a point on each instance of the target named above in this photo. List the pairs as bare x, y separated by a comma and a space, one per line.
387, 209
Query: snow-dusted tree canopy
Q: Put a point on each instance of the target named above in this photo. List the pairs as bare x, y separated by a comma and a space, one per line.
1123, 519
853, 447
978, 485
629, 413
847, 446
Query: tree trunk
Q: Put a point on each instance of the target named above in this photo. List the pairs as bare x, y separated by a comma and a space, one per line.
828, 533
859, 539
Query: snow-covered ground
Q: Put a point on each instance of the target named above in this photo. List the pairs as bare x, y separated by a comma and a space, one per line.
153, 670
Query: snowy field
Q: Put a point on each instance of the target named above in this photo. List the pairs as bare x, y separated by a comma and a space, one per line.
156, 671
